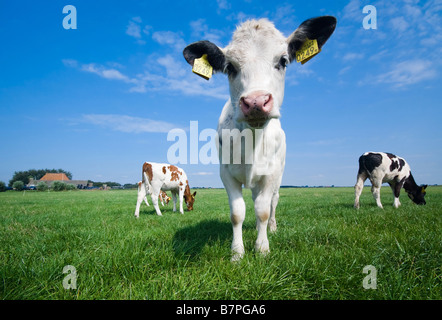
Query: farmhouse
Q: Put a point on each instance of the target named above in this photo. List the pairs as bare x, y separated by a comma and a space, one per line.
50, 178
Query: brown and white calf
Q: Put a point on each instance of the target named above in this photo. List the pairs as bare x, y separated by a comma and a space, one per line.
255, 62
162, 176
163, 196
382, 167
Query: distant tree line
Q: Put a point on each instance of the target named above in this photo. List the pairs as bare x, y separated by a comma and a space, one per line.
108, 183
24, 176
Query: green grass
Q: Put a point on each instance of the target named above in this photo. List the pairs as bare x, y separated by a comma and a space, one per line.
319, 251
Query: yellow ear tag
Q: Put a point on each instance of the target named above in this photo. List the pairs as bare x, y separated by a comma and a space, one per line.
423, 190
308, 50
202, 67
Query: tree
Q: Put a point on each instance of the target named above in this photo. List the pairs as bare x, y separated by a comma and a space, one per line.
18, 185
108, 183
2, 186
58, 186
42, 186
24, 176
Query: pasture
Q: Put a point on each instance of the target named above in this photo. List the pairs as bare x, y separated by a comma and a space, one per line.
319, 251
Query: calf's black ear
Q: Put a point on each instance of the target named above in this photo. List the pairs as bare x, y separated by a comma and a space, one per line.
196, 50
320, 28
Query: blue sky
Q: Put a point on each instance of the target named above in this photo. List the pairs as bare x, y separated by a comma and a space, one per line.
98, 101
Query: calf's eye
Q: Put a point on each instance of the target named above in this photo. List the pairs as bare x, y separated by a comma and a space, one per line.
230, 69
282, 63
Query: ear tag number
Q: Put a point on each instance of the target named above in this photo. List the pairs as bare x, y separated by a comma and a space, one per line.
308, 50
202, 67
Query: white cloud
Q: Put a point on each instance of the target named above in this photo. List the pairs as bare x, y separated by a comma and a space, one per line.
353, 11
111, 74
201, 31
136, 30
170, 38
201, 173
223, 4
352, 56
146, 29
70, 63
408, 72
173, 68
103, 72
284, 15
399, 24
403, 51
127, 124
137, 19
173, 76
133, 30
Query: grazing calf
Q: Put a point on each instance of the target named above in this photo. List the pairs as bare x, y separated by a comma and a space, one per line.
161, 176
163, 196
255, 62
382, 167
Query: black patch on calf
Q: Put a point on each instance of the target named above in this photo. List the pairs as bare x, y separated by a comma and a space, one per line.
319, 28
196, 50
401, 164
369, 162
394, 165
396, 162
397, 187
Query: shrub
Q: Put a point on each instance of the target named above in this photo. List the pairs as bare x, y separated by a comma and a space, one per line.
18, 185
71, 187
42, 186
58, 186
2, 186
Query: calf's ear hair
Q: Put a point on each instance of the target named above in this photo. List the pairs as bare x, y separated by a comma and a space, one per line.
320, 28
214, 54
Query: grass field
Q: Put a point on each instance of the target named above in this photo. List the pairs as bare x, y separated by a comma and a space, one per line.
319, 251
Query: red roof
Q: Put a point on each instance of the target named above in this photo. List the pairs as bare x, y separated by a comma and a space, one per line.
55, 177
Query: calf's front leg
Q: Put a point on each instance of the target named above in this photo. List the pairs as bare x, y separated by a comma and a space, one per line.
237, 214
263, 209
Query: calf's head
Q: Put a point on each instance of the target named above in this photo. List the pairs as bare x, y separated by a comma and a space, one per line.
255, 62
418, 195
189, 199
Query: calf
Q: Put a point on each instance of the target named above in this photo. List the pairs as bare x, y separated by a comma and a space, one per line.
255, 62
163, 196
161, 176
382, 167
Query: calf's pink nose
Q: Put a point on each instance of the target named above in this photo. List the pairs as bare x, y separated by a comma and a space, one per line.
257, 103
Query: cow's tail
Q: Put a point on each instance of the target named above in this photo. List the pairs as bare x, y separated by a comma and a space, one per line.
147, 183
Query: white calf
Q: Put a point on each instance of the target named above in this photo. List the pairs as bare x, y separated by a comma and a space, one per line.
255, 62
161, 176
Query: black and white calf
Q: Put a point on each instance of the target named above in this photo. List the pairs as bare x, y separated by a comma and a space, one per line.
382, 167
